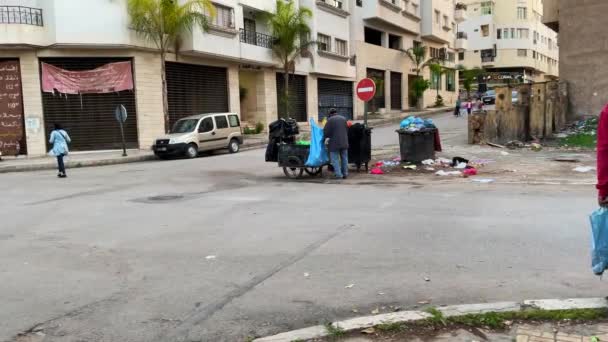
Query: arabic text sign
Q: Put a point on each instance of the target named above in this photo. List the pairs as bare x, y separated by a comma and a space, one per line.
108, 78
11, 107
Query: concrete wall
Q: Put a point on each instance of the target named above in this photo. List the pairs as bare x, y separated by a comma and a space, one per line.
584, 55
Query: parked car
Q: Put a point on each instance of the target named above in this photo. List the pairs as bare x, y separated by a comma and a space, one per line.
197, 133
489, 98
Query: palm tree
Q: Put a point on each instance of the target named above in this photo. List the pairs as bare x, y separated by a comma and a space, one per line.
290, 29
418, 56
436, 71
162, 22
468, 78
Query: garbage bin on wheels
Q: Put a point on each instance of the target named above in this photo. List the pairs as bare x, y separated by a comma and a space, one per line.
416, 146
359, 146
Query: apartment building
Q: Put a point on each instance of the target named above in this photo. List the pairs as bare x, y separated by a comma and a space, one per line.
381, 32
228, 68
583, 55
509, 40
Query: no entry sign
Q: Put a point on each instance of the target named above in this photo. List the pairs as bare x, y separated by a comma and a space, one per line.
366, 89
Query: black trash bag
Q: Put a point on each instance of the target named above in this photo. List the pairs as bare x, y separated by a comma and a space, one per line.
272, 151
283, 129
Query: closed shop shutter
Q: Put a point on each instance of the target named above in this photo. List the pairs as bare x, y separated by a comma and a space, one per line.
89, 118
396, 90
378, 77
297, 97
335, 94
196, 89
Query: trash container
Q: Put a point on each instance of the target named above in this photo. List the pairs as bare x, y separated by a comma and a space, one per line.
359, 145
416, 146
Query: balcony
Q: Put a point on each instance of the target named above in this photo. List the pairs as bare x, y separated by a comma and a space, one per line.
21, 15
487, 61
460, 15
256, 38
462, 42
388, 13
223, 22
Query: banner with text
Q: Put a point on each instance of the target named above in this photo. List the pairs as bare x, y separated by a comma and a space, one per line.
11, 108
108, 78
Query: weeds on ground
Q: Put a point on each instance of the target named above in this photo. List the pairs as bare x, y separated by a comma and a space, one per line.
334, 332
586, 140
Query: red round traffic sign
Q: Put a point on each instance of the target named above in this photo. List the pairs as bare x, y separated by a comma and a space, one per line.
366, 89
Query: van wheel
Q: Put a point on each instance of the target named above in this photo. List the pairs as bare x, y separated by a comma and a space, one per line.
234, 146
191, 151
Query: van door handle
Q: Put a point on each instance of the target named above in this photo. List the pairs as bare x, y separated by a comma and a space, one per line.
212, 133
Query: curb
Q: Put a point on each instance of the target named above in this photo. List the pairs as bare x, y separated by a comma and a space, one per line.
99, 162
386, 122
359, 323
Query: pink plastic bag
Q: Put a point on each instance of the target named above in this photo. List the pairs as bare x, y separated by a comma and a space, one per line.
470, 172
376, 171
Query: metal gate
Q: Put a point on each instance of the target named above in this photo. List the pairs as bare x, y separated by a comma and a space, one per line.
396, 90
335, 94
196, 89
89, 118
297, 97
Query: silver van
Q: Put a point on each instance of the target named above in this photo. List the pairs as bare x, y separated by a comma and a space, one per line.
203, 132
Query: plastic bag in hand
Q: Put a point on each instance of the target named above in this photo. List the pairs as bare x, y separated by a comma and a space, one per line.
599, 240
318, 153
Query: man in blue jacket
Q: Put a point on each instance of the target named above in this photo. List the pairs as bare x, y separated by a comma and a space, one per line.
336, 131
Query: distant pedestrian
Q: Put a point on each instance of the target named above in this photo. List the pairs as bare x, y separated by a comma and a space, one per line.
602, 158
336, 131
60, 140
457, 108
469, 106
479, 105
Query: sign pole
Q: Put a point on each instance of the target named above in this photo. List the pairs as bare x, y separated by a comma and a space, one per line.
366, 90
121, 116
124, 145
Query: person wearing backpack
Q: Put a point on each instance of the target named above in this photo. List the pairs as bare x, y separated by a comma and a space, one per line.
60, 140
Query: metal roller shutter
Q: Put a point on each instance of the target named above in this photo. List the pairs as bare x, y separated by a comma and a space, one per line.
396, 90
335, 94
196, 89
297, 94
89, 118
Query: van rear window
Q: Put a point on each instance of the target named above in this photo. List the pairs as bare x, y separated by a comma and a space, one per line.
234, 120
220, 122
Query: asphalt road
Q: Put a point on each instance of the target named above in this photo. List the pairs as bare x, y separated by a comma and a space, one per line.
217, 248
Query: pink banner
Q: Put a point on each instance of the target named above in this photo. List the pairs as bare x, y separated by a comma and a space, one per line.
108, 78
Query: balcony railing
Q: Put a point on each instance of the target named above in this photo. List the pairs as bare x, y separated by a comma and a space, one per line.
256, 38
21, 15
488, 59
462, 35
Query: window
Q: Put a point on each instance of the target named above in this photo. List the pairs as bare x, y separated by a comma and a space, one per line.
453, 27
341, 47
414, 8
334, 3
435, 53
485, 30
513, 36
221, 122
498, 34
435, 80
234, 120
324, 42
445, 21
461, 56
486, 8
451, 57
523, 33
450, 80
534, 54
359, 3
206, 125
522, 53
224, 16
522, 13
437, 17
394, 42
406, 5
505, 33
550, 42
417, 43
373, 36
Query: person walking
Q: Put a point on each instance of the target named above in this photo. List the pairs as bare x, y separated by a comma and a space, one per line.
469, 106
457, 108
602, 158
336, 131
59, 139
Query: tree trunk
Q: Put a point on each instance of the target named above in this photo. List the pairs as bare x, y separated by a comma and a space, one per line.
286, 92
163, 75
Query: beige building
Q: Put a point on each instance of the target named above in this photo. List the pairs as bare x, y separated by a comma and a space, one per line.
583, 52
381, 32
509, 40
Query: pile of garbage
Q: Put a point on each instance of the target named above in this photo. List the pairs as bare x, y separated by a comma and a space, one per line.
586, 126
457, 166
415, 124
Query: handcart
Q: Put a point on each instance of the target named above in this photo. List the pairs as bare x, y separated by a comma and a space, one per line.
292, 158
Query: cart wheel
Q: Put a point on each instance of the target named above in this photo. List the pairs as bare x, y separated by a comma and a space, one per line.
313, 171
293, 172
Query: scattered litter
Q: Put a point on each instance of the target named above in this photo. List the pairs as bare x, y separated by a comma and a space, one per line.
427, 279
210, 257
561, 135
375, 311
368, 331
410, 167
583, 169
381, 293
397, 159
594, 339
355, 311
495, 145
459, 160
429, 168
379, 164
515, 144
508, 323
396, 309
443, 161
448, 173
376, 171
349, 286
306, 275
470, 172
566, 160
428, 162
504, 153
483, 180
536, 147
461, 166
482, 162
424, 302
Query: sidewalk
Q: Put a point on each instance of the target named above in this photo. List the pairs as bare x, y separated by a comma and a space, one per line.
391, 118
99, 158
